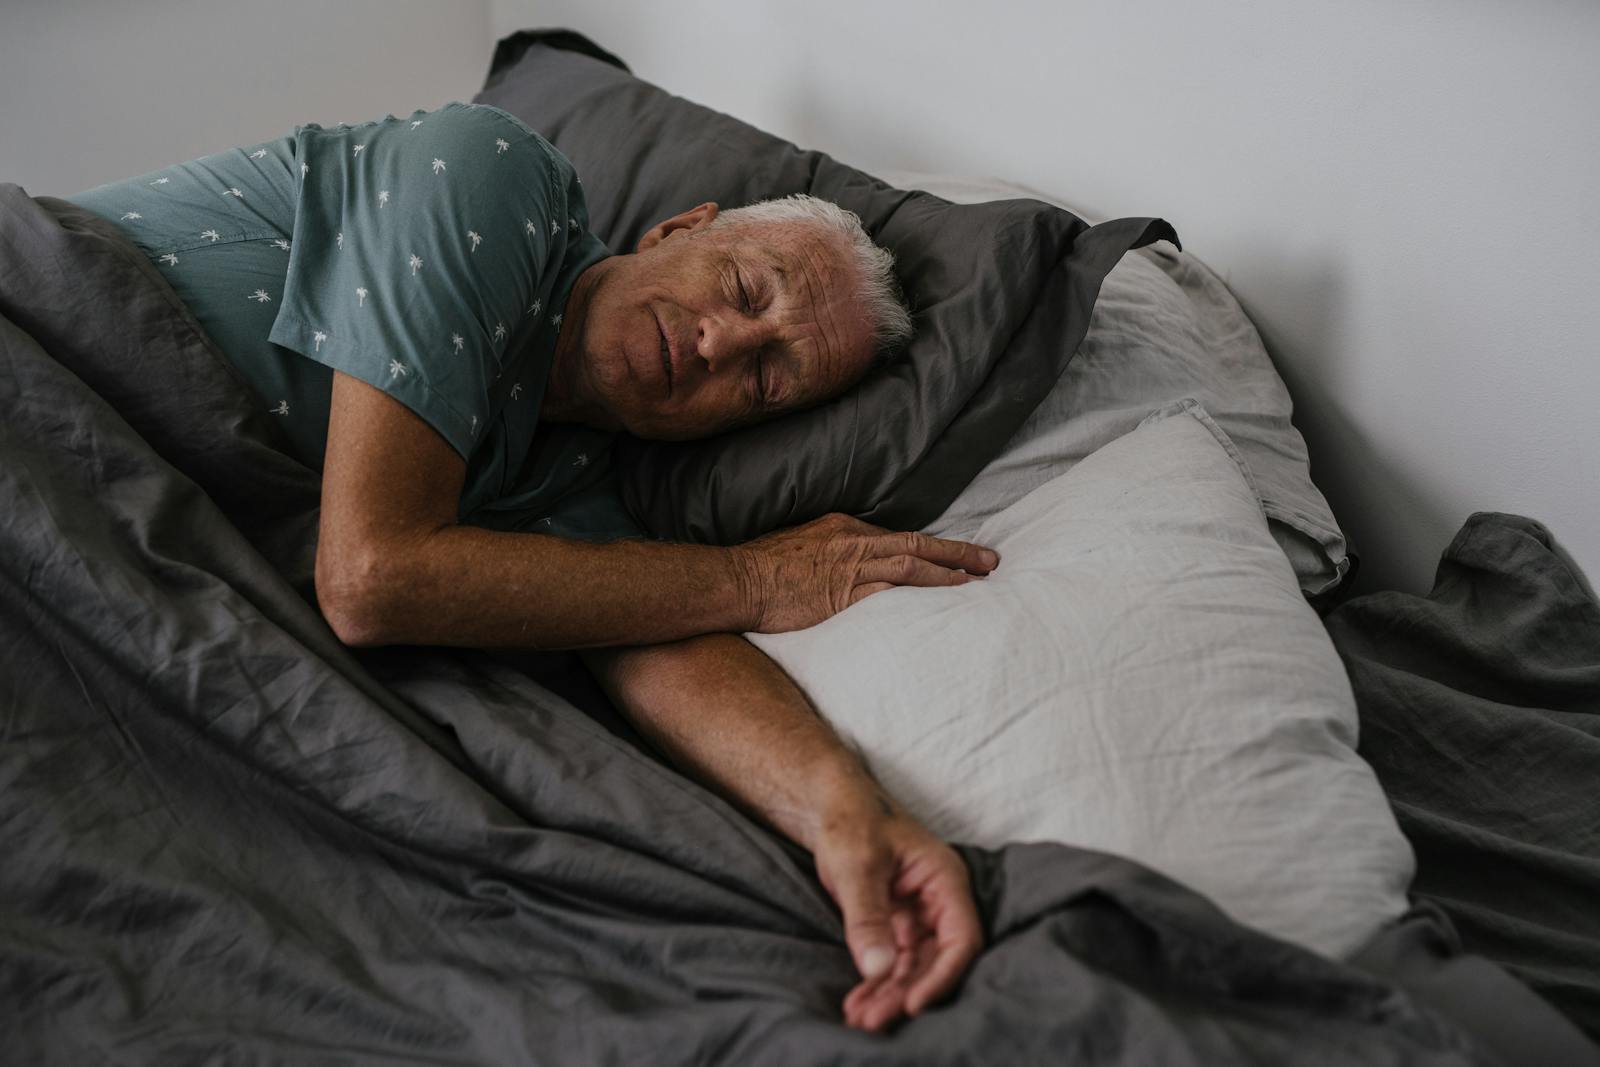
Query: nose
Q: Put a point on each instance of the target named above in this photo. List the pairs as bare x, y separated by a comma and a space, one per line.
728, 340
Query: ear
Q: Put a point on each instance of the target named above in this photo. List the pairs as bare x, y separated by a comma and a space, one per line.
692, 219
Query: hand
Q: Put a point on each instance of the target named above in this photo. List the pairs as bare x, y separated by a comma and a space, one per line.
798, 576
909, 918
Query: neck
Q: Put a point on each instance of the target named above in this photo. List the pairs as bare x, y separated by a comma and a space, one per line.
567, 397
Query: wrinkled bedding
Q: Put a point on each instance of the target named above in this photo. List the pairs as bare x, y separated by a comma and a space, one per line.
1480, 712
228, 838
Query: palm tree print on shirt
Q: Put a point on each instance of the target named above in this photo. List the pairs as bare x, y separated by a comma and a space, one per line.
357, 150
472, 235
534, 310
456, 341
499, 331
529, 226
281, 243
170, 259
500, 145
383, 197
317, 337
282, 408
260, 296
160, 181
130, 216
211, 235
516, 390
338, 239
234, 191
416, 264
258, 153
397, 369
438, 165
414, 125
361, 297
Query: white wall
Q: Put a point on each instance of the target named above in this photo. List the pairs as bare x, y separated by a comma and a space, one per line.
1403, 194
96, 90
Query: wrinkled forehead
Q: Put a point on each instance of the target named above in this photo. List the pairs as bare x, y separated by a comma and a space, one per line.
811, 268
796, 247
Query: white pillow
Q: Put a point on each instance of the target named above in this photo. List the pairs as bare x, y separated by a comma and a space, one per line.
1142, 676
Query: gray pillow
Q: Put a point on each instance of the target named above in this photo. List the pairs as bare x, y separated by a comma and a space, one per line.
1165, 327
1001, 295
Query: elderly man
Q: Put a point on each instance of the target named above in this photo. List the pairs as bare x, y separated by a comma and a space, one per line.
421, 306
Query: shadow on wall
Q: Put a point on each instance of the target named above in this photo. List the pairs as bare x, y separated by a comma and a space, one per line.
1394, 522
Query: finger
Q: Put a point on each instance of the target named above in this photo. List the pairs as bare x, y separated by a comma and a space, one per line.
903, 921
974, 559
872, 1005
861, 592
869, 990
862, 892
865, 988
867, 1000
910, 570
906, 935
882, 1006
958, 937
948, 922
905, 939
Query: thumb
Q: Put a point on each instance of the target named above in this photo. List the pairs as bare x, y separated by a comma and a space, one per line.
863, 896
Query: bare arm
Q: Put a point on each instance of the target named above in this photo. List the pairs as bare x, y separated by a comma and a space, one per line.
394, 566
730, 716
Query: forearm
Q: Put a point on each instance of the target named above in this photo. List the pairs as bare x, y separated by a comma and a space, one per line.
466, 586
731, 718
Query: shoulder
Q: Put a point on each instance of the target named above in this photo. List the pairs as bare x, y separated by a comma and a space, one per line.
454, 123
497, 149
473, 123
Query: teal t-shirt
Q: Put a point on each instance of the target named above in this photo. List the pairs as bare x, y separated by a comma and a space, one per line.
431, 257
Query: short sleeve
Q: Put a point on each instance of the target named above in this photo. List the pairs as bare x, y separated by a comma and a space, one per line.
591, 512
423, 251
568, 487
595, 513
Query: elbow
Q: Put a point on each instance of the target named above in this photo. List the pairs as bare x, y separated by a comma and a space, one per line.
353, 590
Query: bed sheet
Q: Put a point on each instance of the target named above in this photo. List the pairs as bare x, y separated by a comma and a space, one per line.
1480, 712
230, 838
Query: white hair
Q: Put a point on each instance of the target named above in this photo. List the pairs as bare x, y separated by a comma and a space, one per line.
876, 285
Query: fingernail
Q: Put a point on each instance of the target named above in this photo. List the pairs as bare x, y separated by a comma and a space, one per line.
988, 557
875, 961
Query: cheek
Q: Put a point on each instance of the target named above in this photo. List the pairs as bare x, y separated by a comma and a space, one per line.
717, 408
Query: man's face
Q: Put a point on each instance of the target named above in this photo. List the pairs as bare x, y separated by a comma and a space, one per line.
703, 330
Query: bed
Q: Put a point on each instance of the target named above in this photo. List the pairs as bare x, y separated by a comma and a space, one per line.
229, 838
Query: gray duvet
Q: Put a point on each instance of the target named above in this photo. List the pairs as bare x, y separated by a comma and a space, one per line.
226, 838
